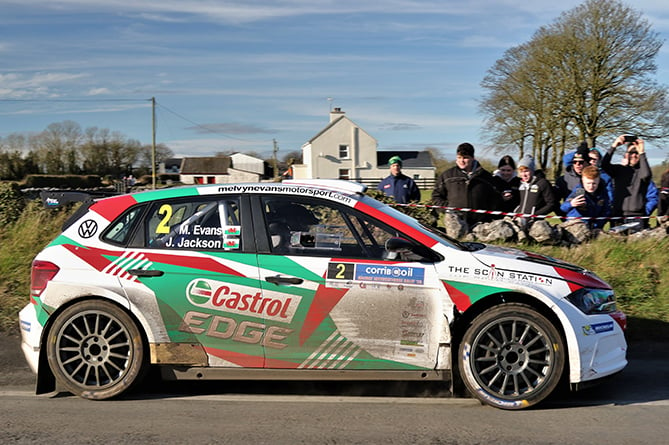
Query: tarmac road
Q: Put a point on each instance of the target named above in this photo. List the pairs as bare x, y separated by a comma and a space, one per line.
632, 407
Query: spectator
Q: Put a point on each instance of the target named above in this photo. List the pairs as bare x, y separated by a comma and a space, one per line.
467, 185
536, 193
595, 158
574, 165
590, 200
663, 207
398, 185
630, 179
506, 182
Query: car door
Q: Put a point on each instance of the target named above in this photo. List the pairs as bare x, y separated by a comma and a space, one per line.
341, 303
198, 265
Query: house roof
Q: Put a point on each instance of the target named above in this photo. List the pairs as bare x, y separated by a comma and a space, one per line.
332, 124
410, 159
217, 165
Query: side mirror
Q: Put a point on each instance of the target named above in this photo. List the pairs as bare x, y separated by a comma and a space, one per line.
399, 245
409, 250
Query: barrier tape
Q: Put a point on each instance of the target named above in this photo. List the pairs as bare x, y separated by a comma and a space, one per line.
521, 215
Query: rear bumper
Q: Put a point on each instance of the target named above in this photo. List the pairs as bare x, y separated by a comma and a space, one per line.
31, 333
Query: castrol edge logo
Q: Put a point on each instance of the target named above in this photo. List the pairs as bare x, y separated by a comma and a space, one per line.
243, 300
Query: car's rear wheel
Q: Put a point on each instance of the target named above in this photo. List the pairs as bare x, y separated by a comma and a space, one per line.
511, 357
95, 350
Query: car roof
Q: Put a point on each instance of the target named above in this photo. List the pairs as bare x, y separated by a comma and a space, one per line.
331, 189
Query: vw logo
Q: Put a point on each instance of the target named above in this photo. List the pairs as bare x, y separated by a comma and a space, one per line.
88, 228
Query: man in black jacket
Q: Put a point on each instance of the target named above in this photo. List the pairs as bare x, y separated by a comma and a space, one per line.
467, 185
630, 179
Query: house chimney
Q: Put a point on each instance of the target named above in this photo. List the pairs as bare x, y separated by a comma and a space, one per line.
335, 114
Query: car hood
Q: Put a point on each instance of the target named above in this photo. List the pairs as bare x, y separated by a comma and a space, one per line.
511, 259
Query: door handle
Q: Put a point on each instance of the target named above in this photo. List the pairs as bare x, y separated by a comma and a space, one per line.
145, 273
278, 279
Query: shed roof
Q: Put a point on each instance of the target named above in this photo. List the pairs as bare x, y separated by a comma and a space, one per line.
217, 165
410, 159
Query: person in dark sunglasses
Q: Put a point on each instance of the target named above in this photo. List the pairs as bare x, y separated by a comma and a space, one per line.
571, 178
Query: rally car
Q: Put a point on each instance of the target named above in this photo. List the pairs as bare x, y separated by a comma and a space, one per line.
305, 280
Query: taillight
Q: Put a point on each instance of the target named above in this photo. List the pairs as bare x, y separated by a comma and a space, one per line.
42, 273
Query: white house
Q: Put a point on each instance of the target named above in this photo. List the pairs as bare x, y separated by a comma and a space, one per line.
343, 150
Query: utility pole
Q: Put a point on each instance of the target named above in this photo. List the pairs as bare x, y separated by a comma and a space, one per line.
153, 142
276, 162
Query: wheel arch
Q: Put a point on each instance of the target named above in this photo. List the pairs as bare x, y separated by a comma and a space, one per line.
46, 381
461, 321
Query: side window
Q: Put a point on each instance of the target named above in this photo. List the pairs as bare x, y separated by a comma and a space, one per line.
119, 232
320, 228
343, 152
199, 224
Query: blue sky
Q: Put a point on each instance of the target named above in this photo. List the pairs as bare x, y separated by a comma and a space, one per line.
236, 75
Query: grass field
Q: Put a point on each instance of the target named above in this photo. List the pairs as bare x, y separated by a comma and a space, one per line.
637, 270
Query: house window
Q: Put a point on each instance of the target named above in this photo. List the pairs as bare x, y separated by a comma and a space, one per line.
198, 180
343, 152
211, 179
344, 173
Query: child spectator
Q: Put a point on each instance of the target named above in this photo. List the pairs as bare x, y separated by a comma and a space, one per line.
536, 193
589, 200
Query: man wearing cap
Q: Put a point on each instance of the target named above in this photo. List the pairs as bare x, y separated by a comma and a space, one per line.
467, 185
398, 185
630, 179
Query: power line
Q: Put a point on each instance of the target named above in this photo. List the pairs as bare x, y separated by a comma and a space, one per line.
180, 116
75, 100
205, 128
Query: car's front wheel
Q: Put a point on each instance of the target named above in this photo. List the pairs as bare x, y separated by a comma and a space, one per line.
95, 350
511, 356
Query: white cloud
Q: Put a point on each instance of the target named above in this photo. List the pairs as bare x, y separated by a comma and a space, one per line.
98, 91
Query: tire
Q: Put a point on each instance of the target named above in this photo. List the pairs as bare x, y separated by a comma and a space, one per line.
95, 350
511, 357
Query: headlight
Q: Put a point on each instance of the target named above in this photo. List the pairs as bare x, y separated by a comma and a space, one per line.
594, 301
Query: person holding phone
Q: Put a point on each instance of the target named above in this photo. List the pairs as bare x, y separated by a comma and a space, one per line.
631, 179
590, 200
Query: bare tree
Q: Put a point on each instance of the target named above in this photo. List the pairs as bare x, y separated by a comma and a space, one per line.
587, 75
163, 153
56, 148
105, 152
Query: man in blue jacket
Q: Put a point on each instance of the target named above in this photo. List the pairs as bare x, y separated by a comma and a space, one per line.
398, 185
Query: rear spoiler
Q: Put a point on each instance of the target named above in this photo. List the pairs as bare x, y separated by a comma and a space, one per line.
56, 199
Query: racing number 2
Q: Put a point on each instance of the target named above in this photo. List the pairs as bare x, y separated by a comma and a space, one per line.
166, 212
340, 271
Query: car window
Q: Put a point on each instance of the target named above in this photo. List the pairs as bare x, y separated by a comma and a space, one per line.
196, 225
300, 226
121, 229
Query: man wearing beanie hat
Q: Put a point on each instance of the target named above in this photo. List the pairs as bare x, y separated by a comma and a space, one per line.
398, 185
467, 185
536, 193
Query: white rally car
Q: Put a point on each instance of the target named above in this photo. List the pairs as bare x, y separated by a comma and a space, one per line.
305, 280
